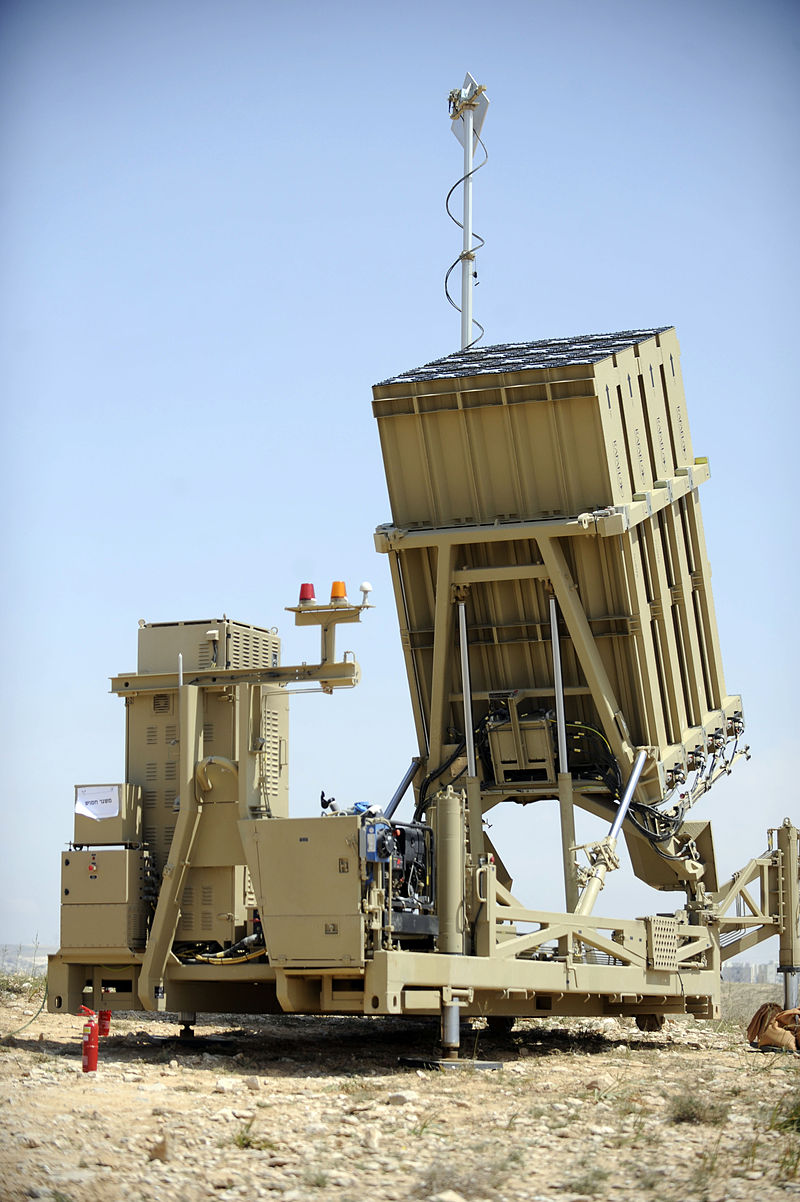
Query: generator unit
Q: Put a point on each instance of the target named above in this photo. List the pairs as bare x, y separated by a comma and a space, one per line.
556, 617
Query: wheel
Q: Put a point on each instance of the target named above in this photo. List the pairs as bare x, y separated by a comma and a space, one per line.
649, 1022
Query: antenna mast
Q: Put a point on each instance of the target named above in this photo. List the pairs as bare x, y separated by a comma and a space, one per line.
468, 107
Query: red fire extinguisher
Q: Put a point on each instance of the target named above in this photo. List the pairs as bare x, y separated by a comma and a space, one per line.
103, 1023
90, 1041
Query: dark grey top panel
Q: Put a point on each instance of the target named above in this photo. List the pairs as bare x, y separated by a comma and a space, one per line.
521, 356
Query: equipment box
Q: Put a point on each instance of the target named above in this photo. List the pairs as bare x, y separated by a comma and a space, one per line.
107, 814
104, 898
117, 926
104, 877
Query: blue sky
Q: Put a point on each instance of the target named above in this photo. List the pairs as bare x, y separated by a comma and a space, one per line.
222, 223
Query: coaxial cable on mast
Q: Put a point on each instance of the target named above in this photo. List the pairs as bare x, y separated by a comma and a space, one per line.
468, 108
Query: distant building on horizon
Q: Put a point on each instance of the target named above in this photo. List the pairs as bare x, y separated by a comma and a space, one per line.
751, 974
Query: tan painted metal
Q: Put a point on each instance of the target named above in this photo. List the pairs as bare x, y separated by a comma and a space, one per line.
320, 924
450, 829
508, 489
581, 481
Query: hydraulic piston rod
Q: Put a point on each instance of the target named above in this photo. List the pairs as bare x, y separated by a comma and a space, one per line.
607, 846
789, 955
402, 788
466, 689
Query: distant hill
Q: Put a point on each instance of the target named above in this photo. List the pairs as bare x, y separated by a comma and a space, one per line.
24, 959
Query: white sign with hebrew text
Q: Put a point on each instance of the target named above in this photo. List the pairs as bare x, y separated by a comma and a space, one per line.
97, 801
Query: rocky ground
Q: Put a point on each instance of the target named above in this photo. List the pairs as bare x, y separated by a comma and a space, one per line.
305, 1110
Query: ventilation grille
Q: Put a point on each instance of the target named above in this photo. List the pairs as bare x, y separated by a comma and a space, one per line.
205, 654
238, 645
271, 756
249, 647
662, 943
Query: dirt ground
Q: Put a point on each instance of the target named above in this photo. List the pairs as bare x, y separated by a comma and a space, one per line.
307, 1109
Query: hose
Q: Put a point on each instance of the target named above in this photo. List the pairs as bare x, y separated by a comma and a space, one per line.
10, 1034
249, 948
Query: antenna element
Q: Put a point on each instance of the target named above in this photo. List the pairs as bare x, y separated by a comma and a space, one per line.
468, 108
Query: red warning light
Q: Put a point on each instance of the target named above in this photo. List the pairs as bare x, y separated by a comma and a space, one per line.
306, 593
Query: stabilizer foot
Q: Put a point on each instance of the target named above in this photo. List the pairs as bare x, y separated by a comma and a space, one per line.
432, 1063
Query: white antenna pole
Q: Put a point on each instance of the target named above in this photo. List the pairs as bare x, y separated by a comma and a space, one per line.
468, 107
467, 258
